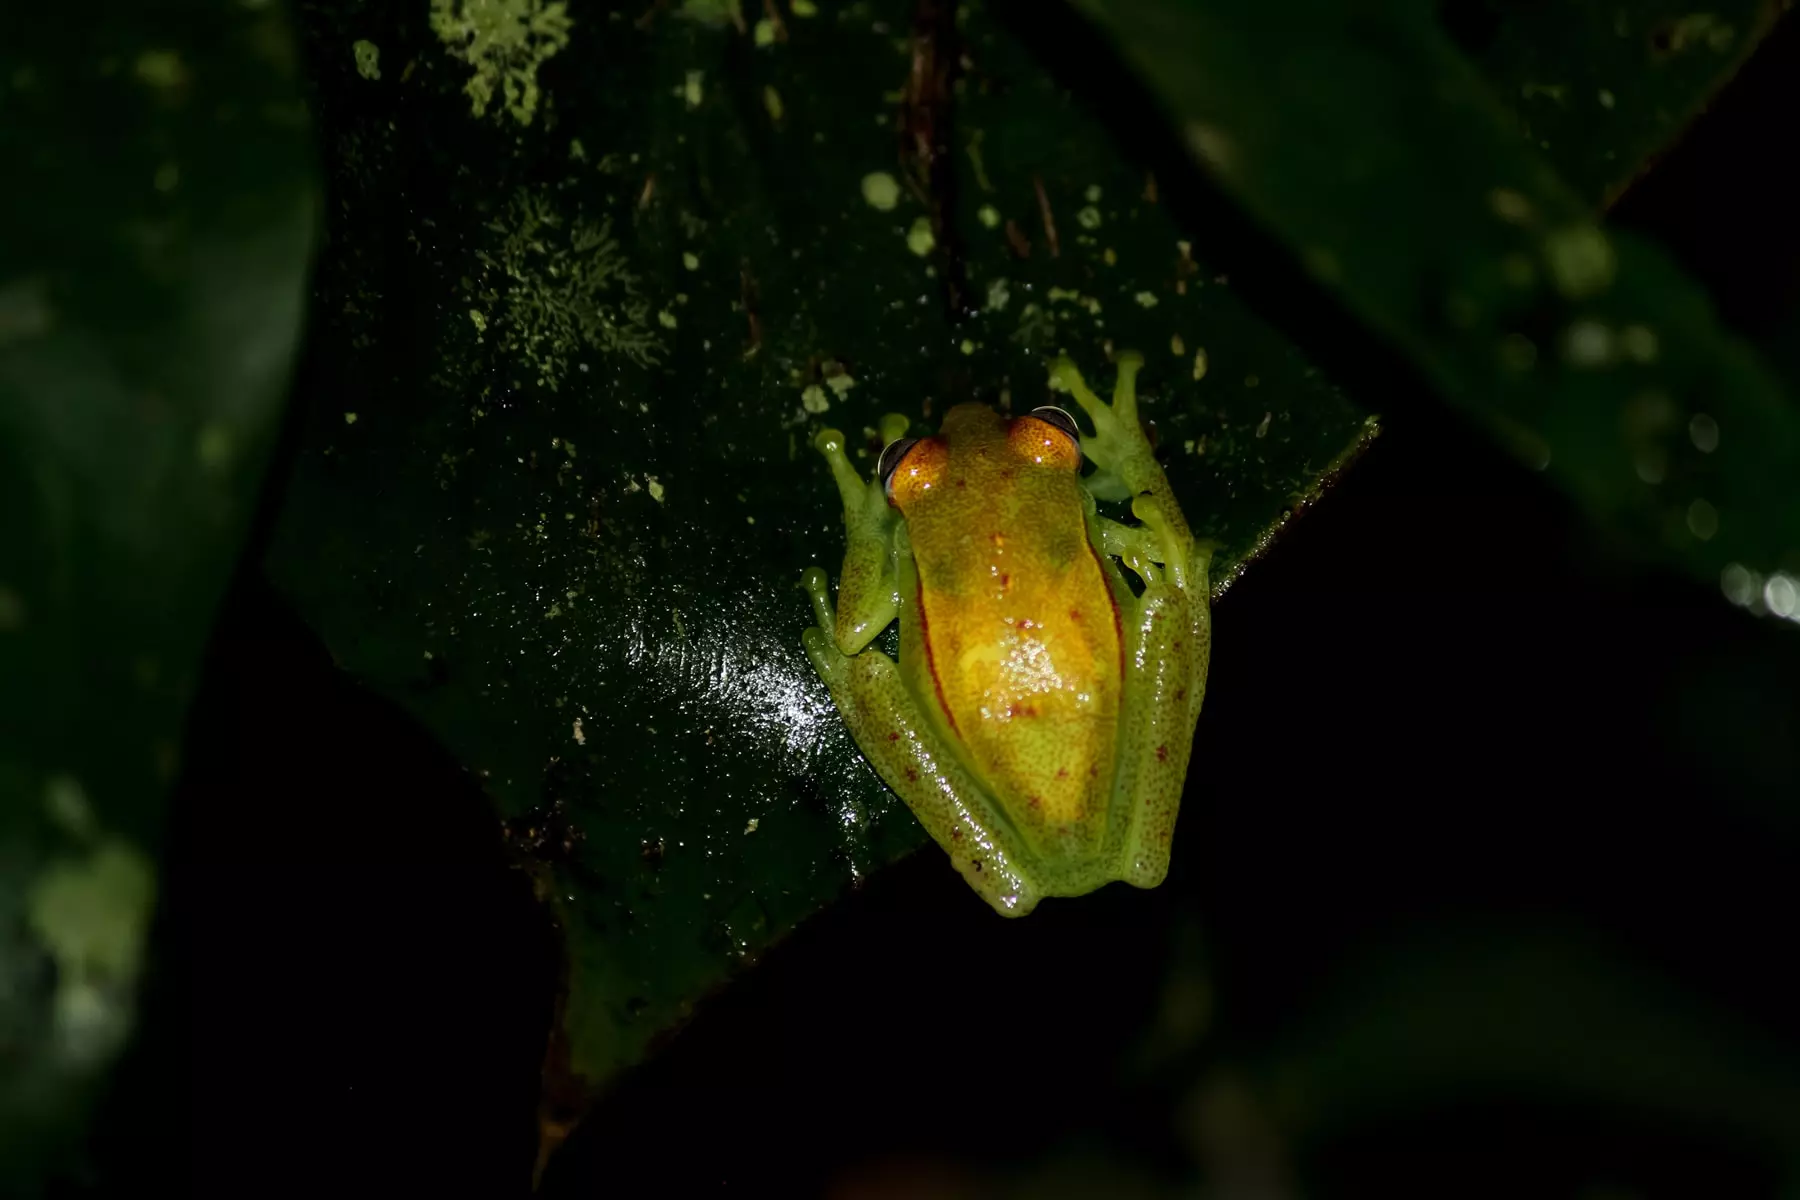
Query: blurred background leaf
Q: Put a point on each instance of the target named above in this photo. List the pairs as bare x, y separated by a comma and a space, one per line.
159, 214
1604, 89
1391, 171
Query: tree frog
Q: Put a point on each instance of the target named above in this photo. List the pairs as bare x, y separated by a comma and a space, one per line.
1039, 720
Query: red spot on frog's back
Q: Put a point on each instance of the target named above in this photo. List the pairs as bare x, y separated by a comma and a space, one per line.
1010, 593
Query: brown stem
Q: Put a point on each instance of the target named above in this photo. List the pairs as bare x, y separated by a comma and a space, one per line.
926, 138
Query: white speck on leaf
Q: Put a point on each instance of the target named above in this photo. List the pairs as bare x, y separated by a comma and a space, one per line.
919, 239
368, 58
881, 191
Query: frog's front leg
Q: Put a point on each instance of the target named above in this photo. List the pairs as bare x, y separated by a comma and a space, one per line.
1120, 447
898, 741
1168, 629
869, 586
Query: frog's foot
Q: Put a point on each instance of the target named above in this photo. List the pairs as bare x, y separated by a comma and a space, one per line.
1139, 548
820, 641
1120, 448
830, 445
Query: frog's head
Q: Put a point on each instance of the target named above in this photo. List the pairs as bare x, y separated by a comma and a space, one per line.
981, 444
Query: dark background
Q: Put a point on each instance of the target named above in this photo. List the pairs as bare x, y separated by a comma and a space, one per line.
1439, 703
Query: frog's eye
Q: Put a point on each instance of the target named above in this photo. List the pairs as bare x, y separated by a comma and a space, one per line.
1048, 436
1052, 415
890, 461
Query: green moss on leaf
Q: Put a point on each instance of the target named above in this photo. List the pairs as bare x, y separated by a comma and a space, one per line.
562, 288
505, 41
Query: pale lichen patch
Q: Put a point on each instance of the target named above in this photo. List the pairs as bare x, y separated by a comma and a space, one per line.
564, 286
505, 42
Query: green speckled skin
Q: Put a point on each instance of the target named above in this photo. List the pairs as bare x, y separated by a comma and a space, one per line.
1011, 847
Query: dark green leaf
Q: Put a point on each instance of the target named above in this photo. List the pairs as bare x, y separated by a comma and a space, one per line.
556, 492
159, 212
1374, 150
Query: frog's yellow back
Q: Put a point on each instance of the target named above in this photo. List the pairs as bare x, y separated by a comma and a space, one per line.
1019, 633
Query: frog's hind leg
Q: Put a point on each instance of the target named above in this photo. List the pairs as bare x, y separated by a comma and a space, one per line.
1137, 547
896, 738
1156, 737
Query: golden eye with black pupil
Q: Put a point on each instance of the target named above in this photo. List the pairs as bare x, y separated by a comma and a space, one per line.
1052, 415
890, 461
1049, 414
